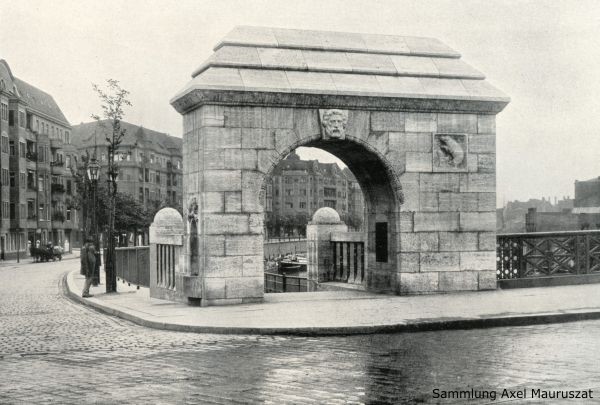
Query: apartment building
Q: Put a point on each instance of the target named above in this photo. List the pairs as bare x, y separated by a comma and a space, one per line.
36, 155
302, 186
150, 162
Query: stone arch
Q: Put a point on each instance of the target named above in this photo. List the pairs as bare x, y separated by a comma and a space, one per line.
380, 182
393, 173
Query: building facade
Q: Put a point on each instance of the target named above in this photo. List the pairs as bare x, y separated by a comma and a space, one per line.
297, 188
149, 162
582, 213
36, 156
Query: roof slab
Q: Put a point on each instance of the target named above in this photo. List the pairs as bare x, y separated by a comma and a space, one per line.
272, 66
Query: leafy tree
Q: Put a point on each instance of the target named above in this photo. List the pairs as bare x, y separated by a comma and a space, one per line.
113, 100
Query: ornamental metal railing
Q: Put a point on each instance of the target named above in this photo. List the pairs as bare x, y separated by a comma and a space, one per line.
545, 254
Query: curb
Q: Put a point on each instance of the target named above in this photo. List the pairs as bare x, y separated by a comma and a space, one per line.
422, 325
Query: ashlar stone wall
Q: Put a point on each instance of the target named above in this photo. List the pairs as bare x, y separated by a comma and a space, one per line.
448, 218
440, 235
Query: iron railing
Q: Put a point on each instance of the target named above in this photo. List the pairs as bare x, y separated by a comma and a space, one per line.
133, 265
543, 254
280, 283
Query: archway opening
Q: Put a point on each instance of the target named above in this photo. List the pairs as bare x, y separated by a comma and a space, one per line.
348, 176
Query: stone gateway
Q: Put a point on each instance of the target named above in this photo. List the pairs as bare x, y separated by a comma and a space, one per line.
413, 122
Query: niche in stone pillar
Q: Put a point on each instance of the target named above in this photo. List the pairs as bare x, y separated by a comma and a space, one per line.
193, 241
381, 242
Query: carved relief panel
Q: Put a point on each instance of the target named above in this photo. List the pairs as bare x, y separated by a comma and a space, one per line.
450, 152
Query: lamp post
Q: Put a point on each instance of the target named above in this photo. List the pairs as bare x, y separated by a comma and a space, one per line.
93, 171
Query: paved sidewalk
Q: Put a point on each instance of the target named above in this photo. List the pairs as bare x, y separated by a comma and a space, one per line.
351, 312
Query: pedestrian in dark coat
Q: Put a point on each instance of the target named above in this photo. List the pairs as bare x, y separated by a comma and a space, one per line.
88, 265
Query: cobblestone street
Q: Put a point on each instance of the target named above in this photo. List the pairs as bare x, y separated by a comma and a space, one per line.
55, 351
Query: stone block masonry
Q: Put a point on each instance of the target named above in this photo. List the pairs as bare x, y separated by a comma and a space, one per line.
445, 228
423, 150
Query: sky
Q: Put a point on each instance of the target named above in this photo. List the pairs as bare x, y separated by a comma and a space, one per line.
544, 54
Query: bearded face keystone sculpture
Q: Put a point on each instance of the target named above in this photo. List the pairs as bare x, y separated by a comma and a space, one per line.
333, 123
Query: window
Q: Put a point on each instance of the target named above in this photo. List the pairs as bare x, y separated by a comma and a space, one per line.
31, 179
302, 204
4, 111
68, 214
67, 137
168, 180
42, 211
11, 118
330, 203
12, 211
69, 186
22, 149
5, 209
141, 196
329, 192
147, 194
289, 205
174, 179
157, 178
302, 191
30, 209
22, 211
12, 148
22, 179
151, 158
289, 192
5, 144
21, 119
41, 183
68, 161
5, 180
12, 179
147, 175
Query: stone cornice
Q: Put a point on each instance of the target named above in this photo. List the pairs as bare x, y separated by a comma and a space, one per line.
195, 98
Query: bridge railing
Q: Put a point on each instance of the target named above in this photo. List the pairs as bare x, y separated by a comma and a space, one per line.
280, 283
544, 254
133, 265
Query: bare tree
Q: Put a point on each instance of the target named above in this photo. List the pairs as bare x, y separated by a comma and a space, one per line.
113, 99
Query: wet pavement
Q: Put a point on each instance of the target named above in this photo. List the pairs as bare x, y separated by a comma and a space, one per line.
53, 350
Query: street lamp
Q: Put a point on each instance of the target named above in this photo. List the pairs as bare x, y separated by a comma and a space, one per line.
93, 172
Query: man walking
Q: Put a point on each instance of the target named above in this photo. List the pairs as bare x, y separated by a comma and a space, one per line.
88, 265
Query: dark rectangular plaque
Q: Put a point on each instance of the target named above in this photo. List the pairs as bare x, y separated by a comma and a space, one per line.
381, 242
